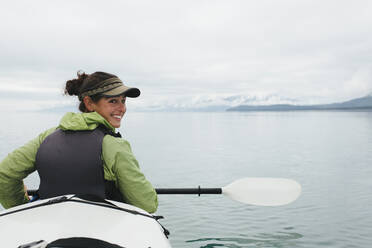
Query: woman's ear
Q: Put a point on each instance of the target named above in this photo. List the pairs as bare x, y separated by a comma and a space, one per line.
89, 104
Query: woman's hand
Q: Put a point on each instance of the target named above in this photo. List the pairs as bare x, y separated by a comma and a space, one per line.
25, 188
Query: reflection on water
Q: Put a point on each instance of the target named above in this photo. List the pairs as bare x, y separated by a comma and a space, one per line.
279, 239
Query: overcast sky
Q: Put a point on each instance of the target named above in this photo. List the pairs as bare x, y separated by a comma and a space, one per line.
188, 52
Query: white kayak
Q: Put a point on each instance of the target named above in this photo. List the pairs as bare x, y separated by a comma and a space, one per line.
69, 220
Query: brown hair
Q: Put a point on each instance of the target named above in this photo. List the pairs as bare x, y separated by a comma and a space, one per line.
85, 82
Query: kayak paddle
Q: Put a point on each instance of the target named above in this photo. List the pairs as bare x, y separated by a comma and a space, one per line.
259, 191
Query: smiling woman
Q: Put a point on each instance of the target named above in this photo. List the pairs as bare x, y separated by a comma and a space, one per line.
103, 93
84, 154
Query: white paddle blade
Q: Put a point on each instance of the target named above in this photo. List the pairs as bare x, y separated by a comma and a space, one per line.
263, 191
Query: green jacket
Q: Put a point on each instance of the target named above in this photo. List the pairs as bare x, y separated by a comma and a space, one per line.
119, 165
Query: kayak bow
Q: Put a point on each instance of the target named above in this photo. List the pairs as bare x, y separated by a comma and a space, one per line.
61, 220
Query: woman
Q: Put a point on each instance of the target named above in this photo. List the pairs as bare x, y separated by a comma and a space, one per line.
83, 155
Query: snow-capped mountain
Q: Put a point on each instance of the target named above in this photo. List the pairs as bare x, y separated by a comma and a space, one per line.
357, 103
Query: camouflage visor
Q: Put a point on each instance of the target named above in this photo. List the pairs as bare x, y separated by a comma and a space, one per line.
112, 87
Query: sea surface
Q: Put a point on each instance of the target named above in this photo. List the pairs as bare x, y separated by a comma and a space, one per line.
328, 152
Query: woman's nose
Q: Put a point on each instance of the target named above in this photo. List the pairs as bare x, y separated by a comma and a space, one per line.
122, 107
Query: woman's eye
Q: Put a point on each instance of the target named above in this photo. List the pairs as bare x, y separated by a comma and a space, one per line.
112, 101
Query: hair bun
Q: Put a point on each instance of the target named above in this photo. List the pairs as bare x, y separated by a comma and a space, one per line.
73, 86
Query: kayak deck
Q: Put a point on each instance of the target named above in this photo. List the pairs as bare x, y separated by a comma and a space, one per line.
31, 222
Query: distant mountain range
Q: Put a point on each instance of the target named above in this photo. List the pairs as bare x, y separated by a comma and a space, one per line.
241, 103
354, 104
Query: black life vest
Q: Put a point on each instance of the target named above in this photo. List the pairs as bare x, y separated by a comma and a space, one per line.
69, 162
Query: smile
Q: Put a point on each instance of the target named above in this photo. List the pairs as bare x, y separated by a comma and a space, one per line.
118, 117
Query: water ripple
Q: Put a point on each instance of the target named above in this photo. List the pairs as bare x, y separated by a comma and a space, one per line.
279, 239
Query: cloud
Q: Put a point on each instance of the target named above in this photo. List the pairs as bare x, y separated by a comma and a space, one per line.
306, 50
360, 82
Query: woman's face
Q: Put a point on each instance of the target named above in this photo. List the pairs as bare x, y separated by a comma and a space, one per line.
111, 108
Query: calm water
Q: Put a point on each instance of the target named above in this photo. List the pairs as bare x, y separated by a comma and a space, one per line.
329, 153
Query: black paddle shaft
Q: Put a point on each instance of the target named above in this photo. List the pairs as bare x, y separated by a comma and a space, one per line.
189, 191
172, 191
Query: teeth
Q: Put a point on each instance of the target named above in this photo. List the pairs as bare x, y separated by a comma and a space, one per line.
117, 116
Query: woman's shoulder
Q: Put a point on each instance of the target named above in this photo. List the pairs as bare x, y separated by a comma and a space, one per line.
47, 132
115, 144
41, 137
117, 153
